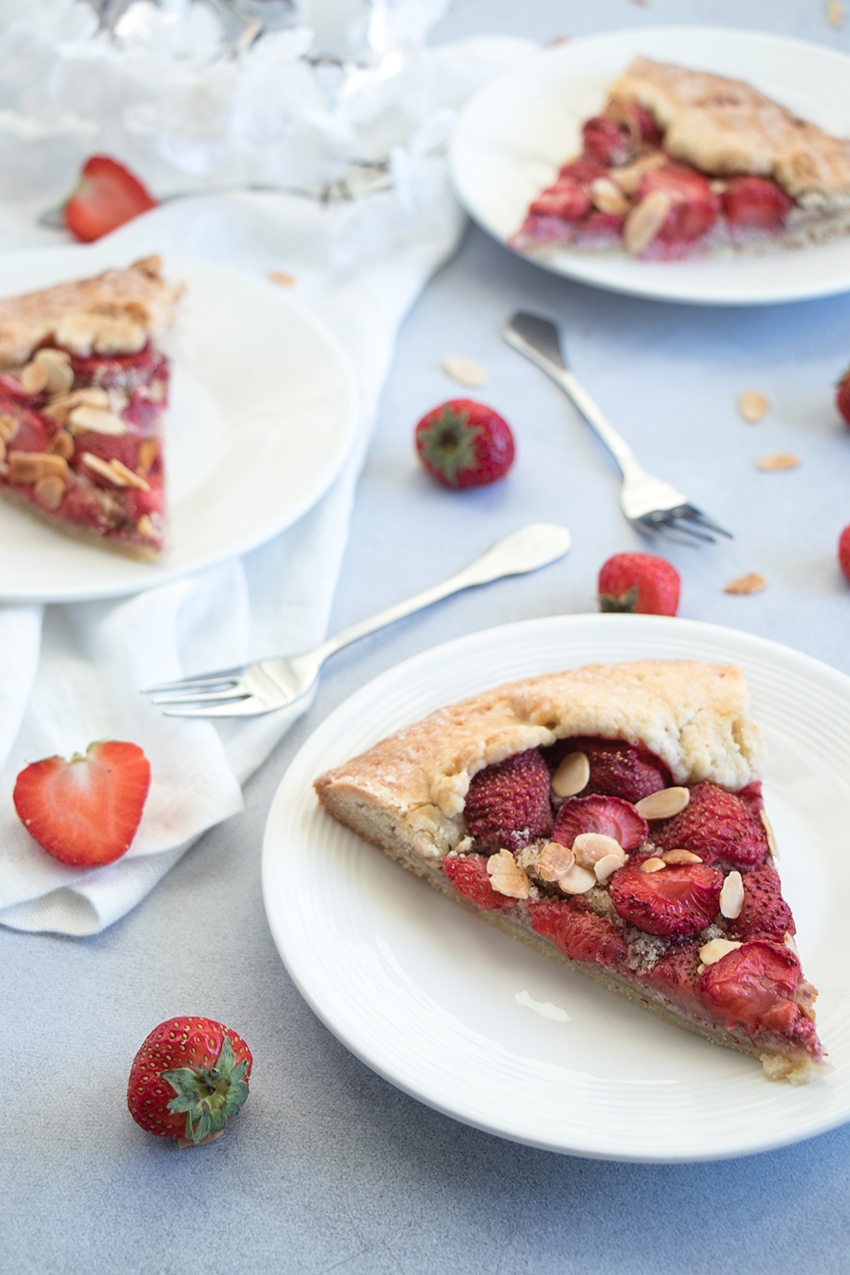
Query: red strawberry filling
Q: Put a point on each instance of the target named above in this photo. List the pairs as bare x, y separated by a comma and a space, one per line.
617, 769
579, 934
468, 875
718, 826
676, 901
608, 816
507, 804
693, 207
764, 913
758, 987
605, 143
755, 203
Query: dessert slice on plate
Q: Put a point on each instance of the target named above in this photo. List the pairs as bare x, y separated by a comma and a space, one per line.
83, 389
681, 162
612, 817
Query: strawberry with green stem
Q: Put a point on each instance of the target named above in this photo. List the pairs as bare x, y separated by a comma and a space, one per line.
465, 444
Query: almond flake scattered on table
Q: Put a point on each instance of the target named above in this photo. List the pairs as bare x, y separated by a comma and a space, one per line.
752, 583
835, 13
464, 371
282, 279
752, 405
777, 461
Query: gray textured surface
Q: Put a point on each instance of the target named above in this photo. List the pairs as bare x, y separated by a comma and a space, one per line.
329, 1168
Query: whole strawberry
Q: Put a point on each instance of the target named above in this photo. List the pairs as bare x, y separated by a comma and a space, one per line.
85, 811
188, 1078
507, 804
639, 582
465, 444
842, 396
844, 551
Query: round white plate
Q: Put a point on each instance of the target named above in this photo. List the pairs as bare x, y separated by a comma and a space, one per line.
474, 1023
516, 132
262, 413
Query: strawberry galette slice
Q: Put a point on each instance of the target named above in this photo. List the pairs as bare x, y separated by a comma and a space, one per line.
83, 388
611, 816
682, 161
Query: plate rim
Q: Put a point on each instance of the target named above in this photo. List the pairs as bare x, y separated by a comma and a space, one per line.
581, 271
359, 701
138, 576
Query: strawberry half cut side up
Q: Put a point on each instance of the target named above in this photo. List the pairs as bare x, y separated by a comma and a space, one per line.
676, 902
107, 196
759, 987
85, 812
608, 816
507, 804
468, 875
188, 1078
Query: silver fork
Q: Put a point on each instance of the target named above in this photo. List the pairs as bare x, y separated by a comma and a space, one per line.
651, 506
265, 685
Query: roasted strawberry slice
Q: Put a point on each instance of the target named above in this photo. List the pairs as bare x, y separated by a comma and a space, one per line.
677, 901
567, 200
605, 143
606, 815
758, 987
755, 203
582, 170
468, 875
507, 804
676, 971
693, 207
718, 826
617, 769
764, 913
602, 225
580, 935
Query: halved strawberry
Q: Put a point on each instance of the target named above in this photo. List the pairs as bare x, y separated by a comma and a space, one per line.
764, 913
755, 202
757, 987
617, 769
468, 875
718, 826
579, 934
85, 811
694, 208
605, 143
107, 195
507, 805
567, 200
606, 815
677, 901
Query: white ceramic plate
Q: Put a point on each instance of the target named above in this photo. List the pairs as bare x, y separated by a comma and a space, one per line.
476, 1025
262, 413
516, 132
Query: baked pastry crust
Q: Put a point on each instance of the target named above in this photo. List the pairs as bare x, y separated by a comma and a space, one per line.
724, 127
407, 796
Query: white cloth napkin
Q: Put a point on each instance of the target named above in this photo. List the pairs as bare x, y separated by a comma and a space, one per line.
72, 672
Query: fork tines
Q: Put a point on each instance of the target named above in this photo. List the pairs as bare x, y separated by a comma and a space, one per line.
685, 525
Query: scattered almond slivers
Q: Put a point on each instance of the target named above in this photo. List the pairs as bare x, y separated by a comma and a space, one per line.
652, 865
117, 473
752, 583
752, 405
49, 491
645, 220
281, 278
555, 861
590, 847
145, 527
663, 804
34, 377
572, 775
60, 375
464, 371
607, 196
732, 896
679, 855
835, 13
9, 426
716, 949
768, 832
778, 460
607, 864
506, 877
628, 177
31, 467
94, 420
577, 881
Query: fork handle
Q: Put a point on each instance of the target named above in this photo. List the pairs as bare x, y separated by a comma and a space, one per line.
526, 550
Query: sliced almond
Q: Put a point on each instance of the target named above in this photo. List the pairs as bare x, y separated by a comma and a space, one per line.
9, 426
645, 220
145, 527
34, 377
49, 491
663, 804
607, 196
554, 861
777, 460
2, 451
768, 832
49, 354
752, 405
577, 881
680, 855
61, 444
607, 864
652, 865
752, 583
717, 186
131, 479
147, 455
589, 847
156, 392
60, 374
732, 896
464, 371
716, 949
506, 877
29, 467
95, 420
105, 469
628, 178
281, 278
572, 775
835, 13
